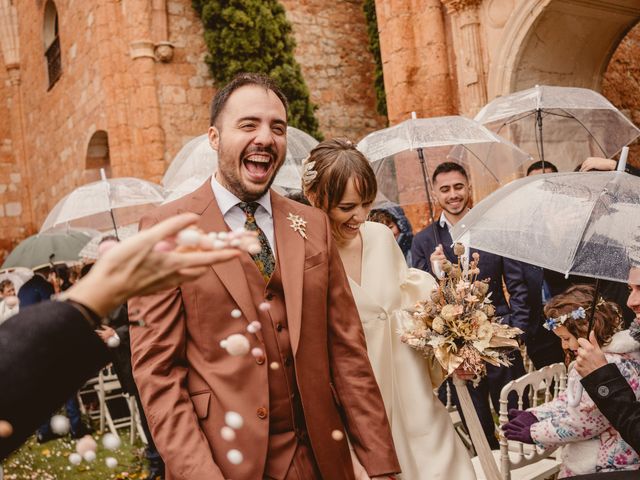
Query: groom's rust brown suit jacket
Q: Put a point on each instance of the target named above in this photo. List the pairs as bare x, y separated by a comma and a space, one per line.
187, 381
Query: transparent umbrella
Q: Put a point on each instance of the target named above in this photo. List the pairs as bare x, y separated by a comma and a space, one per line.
405, 155
105, 204
575, 223
562, 125
585, 224
196, 161
17, 275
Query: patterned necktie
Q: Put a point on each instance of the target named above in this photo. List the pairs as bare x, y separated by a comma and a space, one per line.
265, 261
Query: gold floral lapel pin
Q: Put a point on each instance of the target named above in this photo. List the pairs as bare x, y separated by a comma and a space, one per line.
298, 224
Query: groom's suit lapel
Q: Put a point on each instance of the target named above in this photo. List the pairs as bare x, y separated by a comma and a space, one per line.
291, 254
230, 273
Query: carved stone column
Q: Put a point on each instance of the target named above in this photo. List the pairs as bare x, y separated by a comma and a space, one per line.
10, 44
163, 48
414, 58
467, 43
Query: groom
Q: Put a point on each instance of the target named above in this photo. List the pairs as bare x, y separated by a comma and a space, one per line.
307, 386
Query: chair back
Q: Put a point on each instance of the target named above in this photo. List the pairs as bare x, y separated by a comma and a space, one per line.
540, 386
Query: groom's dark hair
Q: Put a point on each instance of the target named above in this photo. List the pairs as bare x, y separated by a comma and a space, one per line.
241, 80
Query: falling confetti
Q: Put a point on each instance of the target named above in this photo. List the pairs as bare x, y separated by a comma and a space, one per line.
264, 306
337, 435
236, 344
86, 444
235, 456
60, 424
274, 366
235, 313
111, 462
75, 459
254, 327
89, 456
233, 420
227, 434
257, 352
113, 341
111, 441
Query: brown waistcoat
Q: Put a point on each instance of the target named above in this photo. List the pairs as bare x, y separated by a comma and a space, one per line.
286, 418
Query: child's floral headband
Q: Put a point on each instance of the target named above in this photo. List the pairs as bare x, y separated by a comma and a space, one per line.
553, 323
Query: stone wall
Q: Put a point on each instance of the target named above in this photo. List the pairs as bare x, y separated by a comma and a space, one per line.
621, 83
333, 50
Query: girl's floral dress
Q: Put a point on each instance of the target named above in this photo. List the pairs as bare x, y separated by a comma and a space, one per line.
590, 444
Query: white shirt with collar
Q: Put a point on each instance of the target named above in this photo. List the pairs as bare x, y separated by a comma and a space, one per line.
438, 273
235, 217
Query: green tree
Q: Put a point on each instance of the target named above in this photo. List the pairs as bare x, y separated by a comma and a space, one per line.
369, 7
255, 36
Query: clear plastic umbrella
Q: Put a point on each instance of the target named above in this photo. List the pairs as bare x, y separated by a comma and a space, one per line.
405, 155
196, 161
90, 250
562, 125
105, 204
585, 224
45, 248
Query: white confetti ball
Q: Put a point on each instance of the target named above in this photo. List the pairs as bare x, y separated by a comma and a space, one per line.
89, 456
219, 244
235, 456
237, 344
233, 420
255, 325
251, 329
223, 235
111, 462
75, 459
86, 444
235, 313
113, 341
111, 441
257, 352
224, 343
188, 238
337, 435
60, 424
264, 306
274, 366
228, 434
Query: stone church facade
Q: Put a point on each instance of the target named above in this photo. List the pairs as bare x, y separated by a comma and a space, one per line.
123, 84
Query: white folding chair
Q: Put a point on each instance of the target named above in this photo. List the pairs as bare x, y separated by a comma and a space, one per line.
518, 461
109, 392
456, 419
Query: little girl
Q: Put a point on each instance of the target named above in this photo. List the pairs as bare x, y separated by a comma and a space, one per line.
590, 443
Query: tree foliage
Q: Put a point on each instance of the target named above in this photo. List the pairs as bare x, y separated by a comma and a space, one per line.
369, 7
255, 36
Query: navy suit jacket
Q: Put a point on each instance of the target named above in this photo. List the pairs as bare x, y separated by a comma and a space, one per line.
494, 267
37, 289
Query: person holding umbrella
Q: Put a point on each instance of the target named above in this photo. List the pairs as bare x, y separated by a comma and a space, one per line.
604, 382
452, 192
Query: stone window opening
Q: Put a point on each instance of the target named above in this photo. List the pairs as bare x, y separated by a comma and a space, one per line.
97, 156
51, 39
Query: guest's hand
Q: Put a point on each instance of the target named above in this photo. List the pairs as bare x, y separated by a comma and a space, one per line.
590, 356
437, 258
598, 163
143, 264
105, 333
519, 428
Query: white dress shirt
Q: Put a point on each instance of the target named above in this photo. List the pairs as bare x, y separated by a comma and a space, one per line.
235, 217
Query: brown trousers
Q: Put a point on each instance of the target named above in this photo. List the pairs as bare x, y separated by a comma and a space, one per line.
303, 466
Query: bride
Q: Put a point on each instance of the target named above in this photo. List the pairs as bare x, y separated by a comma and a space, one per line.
339, 180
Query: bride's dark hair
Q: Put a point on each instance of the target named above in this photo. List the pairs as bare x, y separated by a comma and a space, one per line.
329, 168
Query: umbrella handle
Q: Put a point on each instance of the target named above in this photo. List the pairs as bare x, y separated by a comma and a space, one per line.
573, 399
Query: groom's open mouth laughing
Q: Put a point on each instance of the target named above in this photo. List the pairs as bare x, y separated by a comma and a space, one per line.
258, 165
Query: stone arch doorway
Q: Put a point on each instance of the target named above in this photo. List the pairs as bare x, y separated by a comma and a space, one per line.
559, 42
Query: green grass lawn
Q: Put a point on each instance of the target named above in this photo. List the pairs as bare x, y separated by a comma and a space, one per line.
50, 461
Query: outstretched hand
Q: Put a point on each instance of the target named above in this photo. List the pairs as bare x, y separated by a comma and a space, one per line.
144, 264
590, 357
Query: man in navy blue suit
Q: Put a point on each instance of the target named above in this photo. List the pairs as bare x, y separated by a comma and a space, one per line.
453, 193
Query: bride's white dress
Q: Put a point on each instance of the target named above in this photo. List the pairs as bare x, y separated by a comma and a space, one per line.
425, 441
